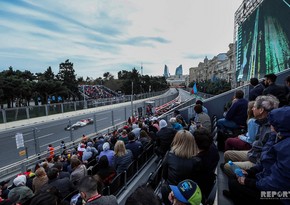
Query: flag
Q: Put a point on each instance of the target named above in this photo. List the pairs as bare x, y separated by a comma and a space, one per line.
194, 89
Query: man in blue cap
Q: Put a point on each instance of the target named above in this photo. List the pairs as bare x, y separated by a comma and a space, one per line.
186, 192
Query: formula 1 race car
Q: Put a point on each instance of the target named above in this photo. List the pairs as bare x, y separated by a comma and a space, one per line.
78, 124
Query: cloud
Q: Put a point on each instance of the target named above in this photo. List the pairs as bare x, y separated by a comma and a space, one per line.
108, 36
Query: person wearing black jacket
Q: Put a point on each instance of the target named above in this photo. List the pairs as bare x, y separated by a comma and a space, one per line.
278, 91
180, 162
164, 138
257, 89
208, 153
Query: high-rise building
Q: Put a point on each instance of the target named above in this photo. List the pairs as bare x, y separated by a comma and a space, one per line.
178, 71
166, 72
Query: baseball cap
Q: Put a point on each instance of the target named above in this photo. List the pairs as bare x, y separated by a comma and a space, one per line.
187, 191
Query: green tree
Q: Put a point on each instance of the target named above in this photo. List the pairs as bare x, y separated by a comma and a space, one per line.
68, 78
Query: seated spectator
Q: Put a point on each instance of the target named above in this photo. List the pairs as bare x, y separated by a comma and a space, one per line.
164, 139
81, 149
244, 142
61, 173
136, 130
179, 118
155, 123
186, 192
272, 173
89, 189
134, 145
106, 172
124, 136
148, 197
180, 162
47, 163
87, 155
109, 153
208, 153
29, 178
100, 143
256, 90
69, 167
4, 189
64, 185
49, 197
247, 159
272, 88
4, 201
175, 124
202, 118
153, 128
144, 138
79, 171
93, 149
20, 193
57, 158
39, 180
204, 109
123, 157
236, 116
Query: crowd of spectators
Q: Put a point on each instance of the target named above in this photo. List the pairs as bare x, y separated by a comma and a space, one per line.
186, 151
261, 153
96, 91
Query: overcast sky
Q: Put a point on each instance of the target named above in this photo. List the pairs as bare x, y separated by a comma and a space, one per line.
100, 36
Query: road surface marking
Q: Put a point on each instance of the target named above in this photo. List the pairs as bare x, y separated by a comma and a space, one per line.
45, 145
43, 136
102, 119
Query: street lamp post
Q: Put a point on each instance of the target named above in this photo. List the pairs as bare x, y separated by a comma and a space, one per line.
132, 99
84, 97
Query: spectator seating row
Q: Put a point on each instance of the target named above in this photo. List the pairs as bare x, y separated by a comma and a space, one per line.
122, 180
155, 179
96, 91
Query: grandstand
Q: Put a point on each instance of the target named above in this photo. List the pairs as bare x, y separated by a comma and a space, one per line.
97, 92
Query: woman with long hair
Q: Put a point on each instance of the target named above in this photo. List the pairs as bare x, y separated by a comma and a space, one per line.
180, 162
244, 141
123, 156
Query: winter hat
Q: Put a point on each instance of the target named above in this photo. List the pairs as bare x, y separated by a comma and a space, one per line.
106, 146
19, 180
162, 124
186, 192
